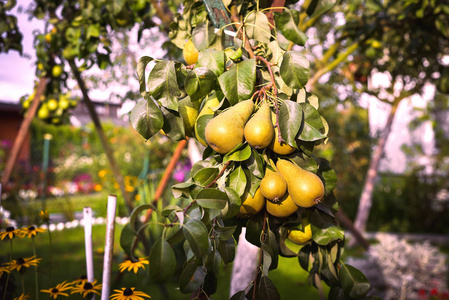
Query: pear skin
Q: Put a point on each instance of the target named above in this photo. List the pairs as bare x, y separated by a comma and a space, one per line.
283, 208
273, 186
305, 188
279, 148
251, 205
259, 131
212, 102
225, 131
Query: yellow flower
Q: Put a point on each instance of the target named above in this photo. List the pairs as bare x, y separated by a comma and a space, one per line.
98, 187
21, 262
81, 280
137, 197
87, 288
31, 231
9, 232
128, 294
45, 217
102, 173
22, 297
133, 265
129, 188
58, 290
4, 270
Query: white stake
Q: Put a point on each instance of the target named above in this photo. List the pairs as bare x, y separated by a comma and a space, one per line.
109, 247
87, 215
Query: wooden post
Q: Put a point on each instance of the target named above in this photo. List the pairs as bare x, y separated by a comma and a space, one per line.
87, 216
109, 247
103, 139
23, 131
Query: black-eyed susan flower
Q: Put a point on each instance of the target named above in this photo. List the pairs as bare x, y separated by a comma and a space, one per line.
44, 215
128, 294
18, 264
10, 232
31, 231
87, 288
133, 264
58, 290
81, 280
4, 269
22, 297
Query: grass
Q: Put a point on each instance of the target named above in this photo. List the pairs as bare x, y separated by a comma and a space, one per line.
69, 264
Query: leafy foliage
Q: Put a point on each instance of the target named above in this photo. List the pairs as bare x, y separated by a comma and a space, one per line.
220, 183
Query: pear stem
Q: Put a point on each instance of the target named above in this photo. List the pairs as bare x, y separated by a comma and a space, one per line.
219, 175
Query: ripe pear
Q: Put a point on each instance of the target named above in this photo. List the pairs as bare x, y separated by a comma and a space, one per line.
279, 148
189, 112
212, 102
283, 208
259, 131
251, 205
305, 188
225, 131
273, 186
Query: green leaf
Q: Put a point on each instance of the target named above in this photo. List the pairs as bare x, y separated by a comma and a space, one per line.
182, 189
197, 236
254, 229
257, 27
237, 181
267, 290
213, 60
327, 174
127, 239
146, 118
93, 31
200, 82
163, 84
166, 211
287, 22
211, 198
324, 230
141, 65
192, 277
353, 282
163, 261
210, 283
313, 126
319, 7
173, 124
213, 262
205, 176
290, 120
239, 155
336, 293
233, 206
238, 296
227, 250
134, 218
295, 69
238, 82
255, 164
303, 257
203, 35
73, 35
200, 127
225, 233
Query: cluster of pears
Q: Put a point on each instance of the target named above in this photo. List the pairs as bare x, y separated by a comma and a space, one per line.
51, 108
283, 191
286, 186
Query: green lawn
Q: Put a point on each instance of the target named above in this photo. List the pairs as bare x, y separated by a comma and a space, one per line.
69, 263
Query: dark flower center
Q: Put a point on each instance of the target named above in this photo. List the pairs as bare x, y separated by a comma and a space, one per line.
9, 228
20, 261
32, 228
128, 292
54, 290
87, 286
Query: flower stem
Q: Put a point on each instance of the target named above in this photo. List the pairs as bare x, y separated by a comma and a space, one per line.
9, 270
51, 247
35, 271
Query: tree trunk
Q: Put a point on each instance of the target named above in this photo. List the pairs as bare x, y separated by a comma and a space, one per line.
103, 139
23, 131
368, 188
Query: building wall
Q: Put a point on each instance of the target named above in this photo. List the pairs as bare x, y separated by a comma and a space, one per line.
9, 128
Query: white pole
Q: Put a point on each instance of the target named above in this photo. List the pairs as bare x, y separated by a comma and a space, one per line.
87, 214
109, 247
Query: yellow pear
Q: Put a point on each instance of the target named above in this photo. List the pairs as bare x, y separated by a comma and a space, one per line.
259, 131
190, 53
283, 208
279, 148
298, 236
189, 113
251, 205
225, 131
211, 102
305, 188
273, 186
